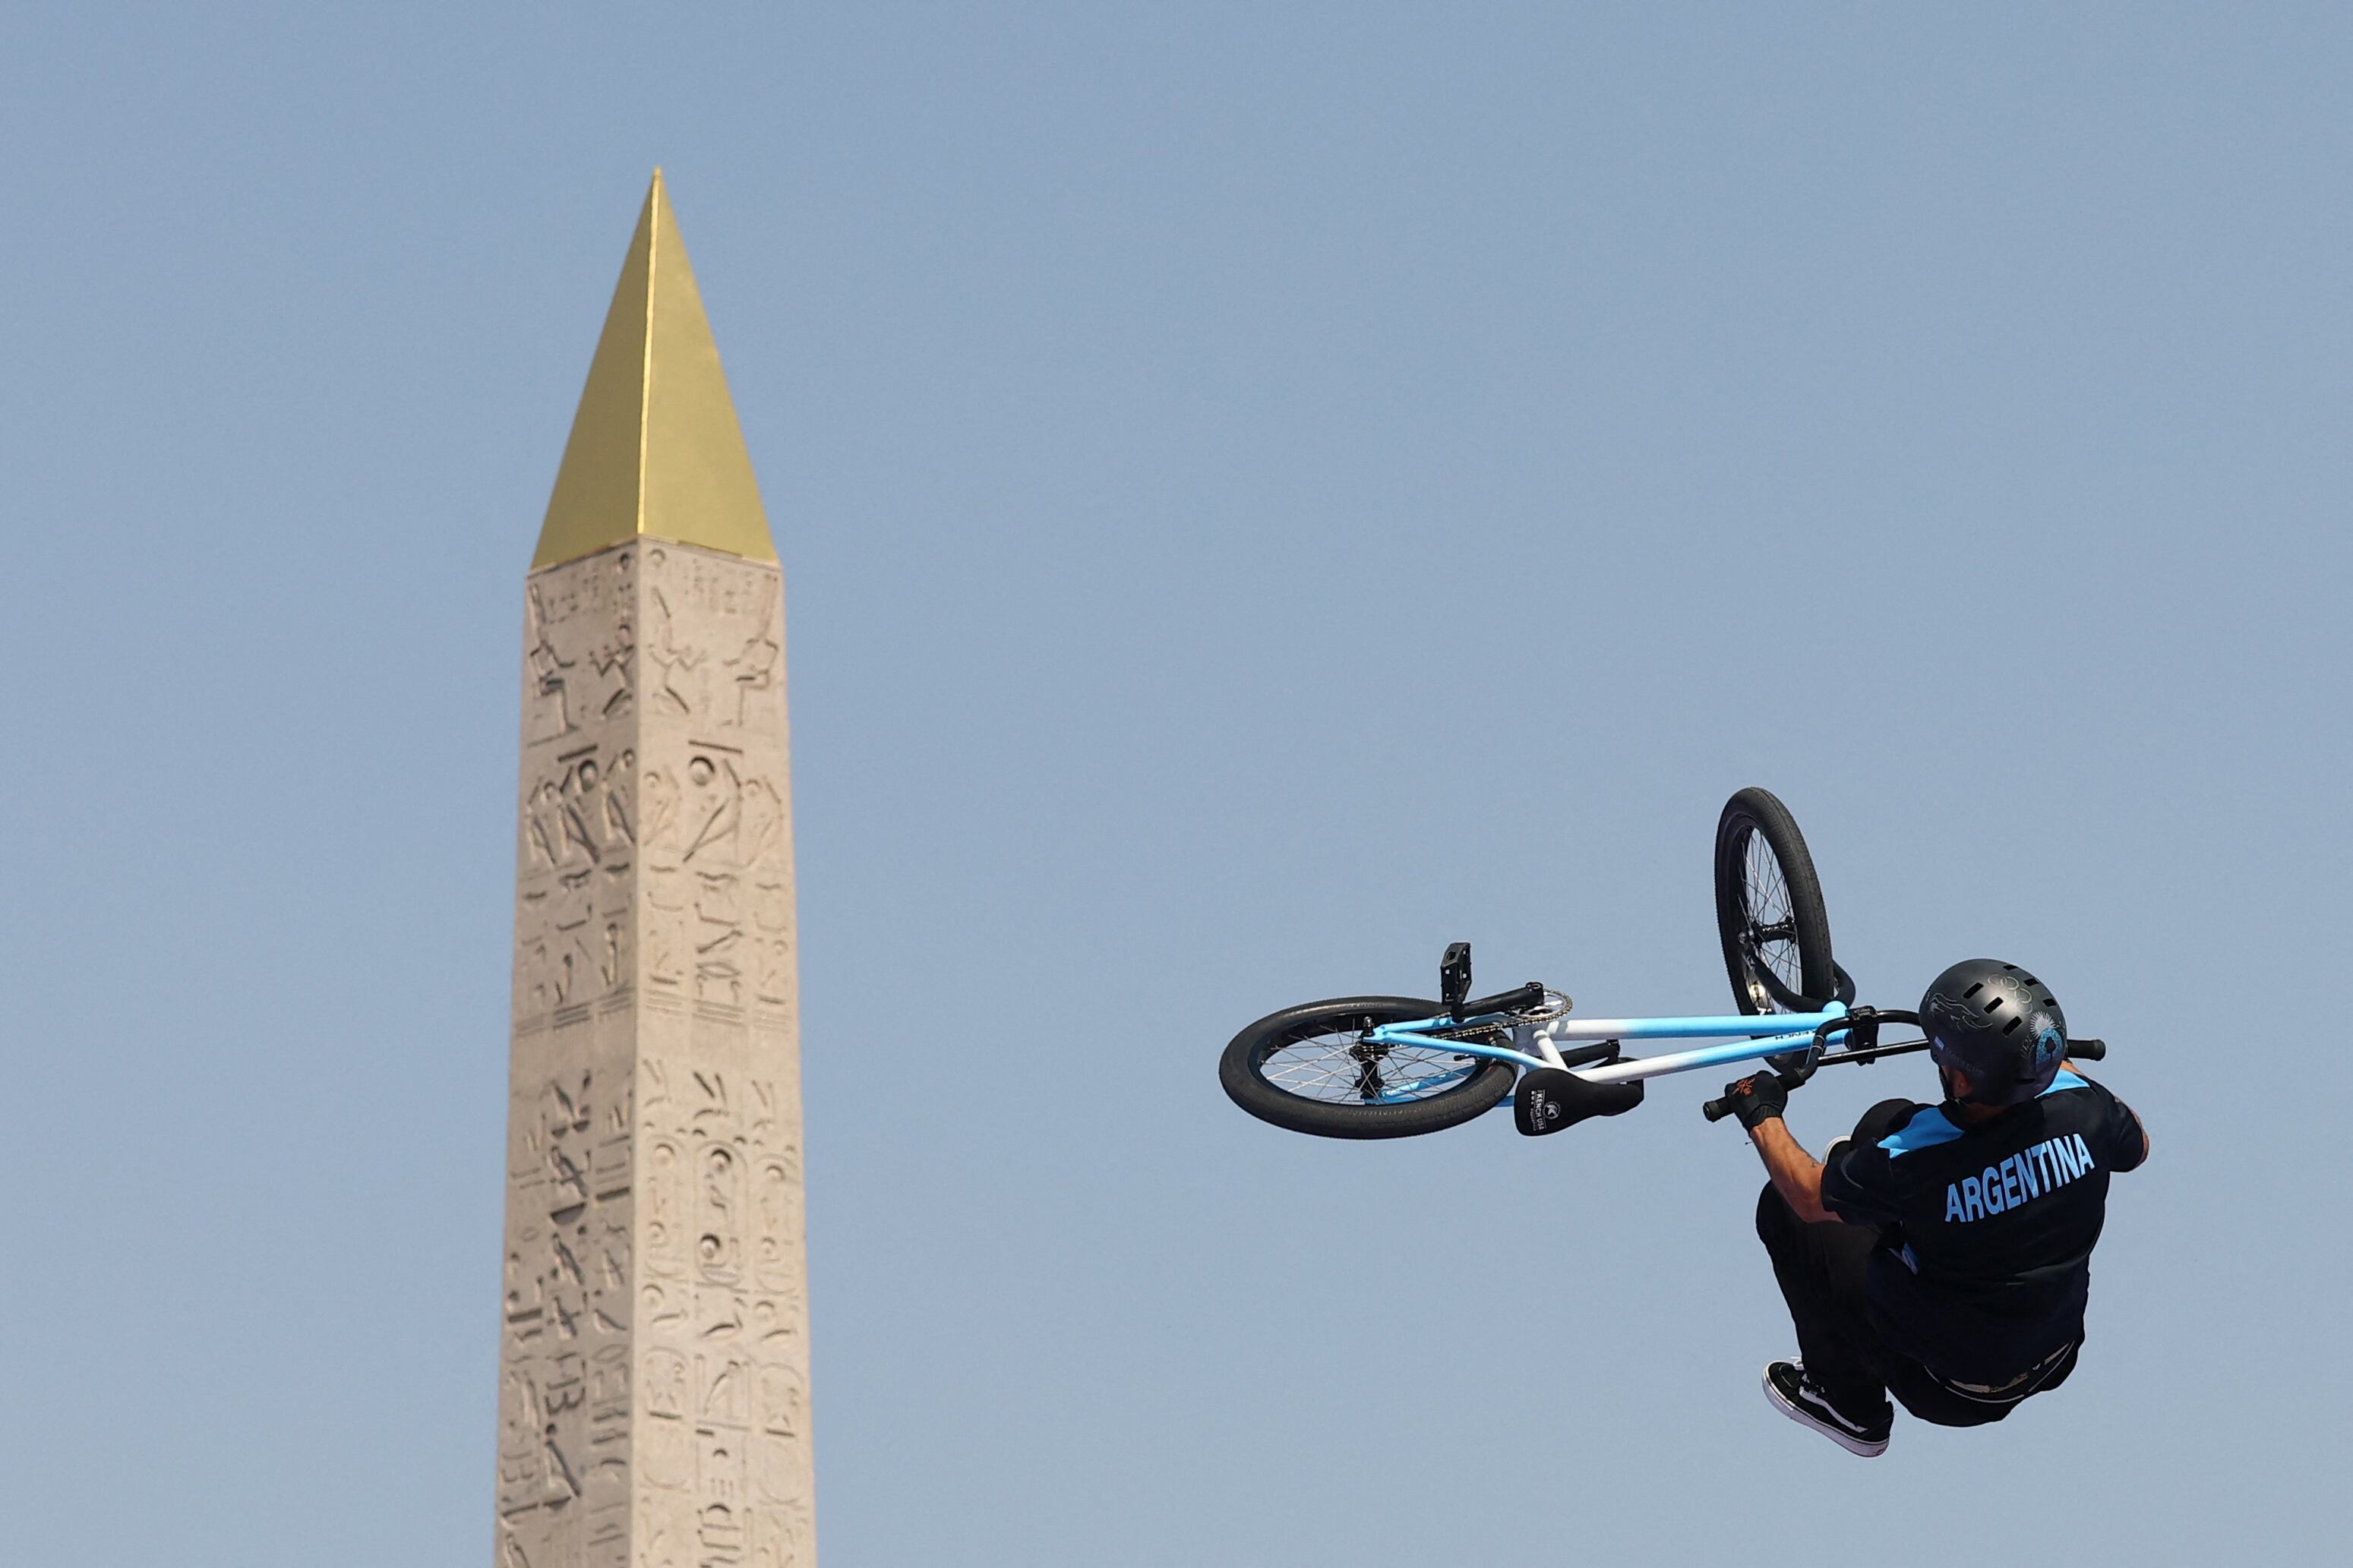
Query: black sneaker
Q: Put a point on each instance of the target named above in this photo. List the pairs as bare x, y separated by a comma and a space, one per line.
1793, 1393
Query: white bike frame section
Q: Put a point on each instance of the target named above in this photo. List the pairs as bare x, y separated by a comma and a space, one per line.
1751, 1036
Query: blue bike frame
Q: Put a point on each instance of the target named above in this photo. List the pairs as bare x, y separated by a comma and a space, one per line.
1788, 1032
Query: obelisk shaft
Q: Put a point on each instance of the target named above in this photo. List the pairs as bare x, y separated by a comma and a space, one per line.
654, 1365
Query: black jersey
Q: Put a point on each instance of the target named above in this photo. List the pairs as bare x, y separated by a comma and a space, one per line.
1987, 1229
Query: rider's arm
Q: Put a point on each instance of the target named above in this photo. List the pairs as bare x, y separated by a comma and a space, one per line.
1796, 1175
2135, 1125
2125, 1161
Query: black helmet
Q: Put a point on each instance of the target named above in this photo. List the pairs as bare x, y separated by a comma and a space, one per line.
1997, 1023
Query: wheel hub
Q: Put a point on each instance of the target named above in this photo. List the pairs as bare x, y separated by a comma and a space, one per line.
1368, 1054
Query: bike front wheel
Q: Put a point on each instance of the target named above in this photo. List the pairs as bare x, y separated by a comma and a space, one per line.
1769, 910
1314, 1068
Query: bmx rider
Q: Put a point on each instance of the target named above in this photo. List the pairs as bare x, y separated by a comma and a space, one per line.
1942, 1253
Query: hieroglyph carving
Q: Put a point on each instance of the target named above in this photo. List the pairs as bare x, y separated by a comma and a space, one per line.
654, 1406
717, 827
564, 1426
721, 1316
573, 925
563, 1399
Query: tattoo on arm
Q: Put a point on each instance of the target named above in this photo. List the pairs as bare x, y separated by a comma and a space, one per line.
1796, 1175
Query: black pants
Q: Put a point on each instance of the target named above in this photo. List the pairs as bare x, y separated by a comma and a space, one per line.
1820, 1269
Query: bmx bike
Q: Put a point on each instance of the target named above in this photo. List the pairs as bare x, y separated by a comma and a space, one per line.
1396, 1066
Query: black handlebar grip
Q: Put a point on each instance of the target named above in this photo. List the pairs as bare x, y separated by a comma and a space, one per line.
2090, 1050
1715, 1111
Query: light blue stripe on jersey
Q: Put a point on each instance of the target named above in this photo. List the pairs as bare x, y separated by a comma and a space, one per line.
1928, 1128
2065, 1080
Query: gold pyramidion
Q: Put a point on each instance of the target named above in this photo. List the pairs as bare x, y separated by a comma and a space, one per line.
655, 448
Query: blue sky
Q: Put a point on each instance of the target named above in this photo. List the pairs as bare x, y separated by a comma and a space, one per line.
1264, 492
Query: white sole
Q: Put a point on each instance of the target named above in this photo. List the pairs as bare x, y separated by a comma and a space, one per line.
1856, 1445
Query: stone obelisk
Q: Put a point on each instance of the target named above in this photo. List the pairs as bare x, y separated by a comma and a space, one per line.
653, 1401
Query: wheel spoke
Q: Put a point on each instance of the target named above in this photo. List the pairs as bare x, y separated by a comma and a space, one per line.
1767, 912
1330, 1064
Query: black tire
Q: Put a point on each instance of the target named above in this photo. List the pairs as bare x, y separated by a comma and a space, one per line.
1768, 910
1319, 1032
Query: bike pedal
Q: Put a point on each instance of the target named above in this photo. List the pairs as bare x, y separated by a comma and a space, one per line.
1454, 978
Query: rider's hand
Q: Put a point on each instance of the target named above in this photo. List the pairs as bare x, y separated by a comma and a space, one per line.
1760, 1096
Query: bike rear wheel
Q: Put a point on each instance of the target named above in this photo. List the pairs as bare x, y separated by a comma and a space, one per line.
1310, 1068
1769, 911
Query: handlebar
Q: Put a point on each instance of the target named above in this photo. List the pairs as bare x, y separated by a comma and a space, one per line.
2077, 1050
